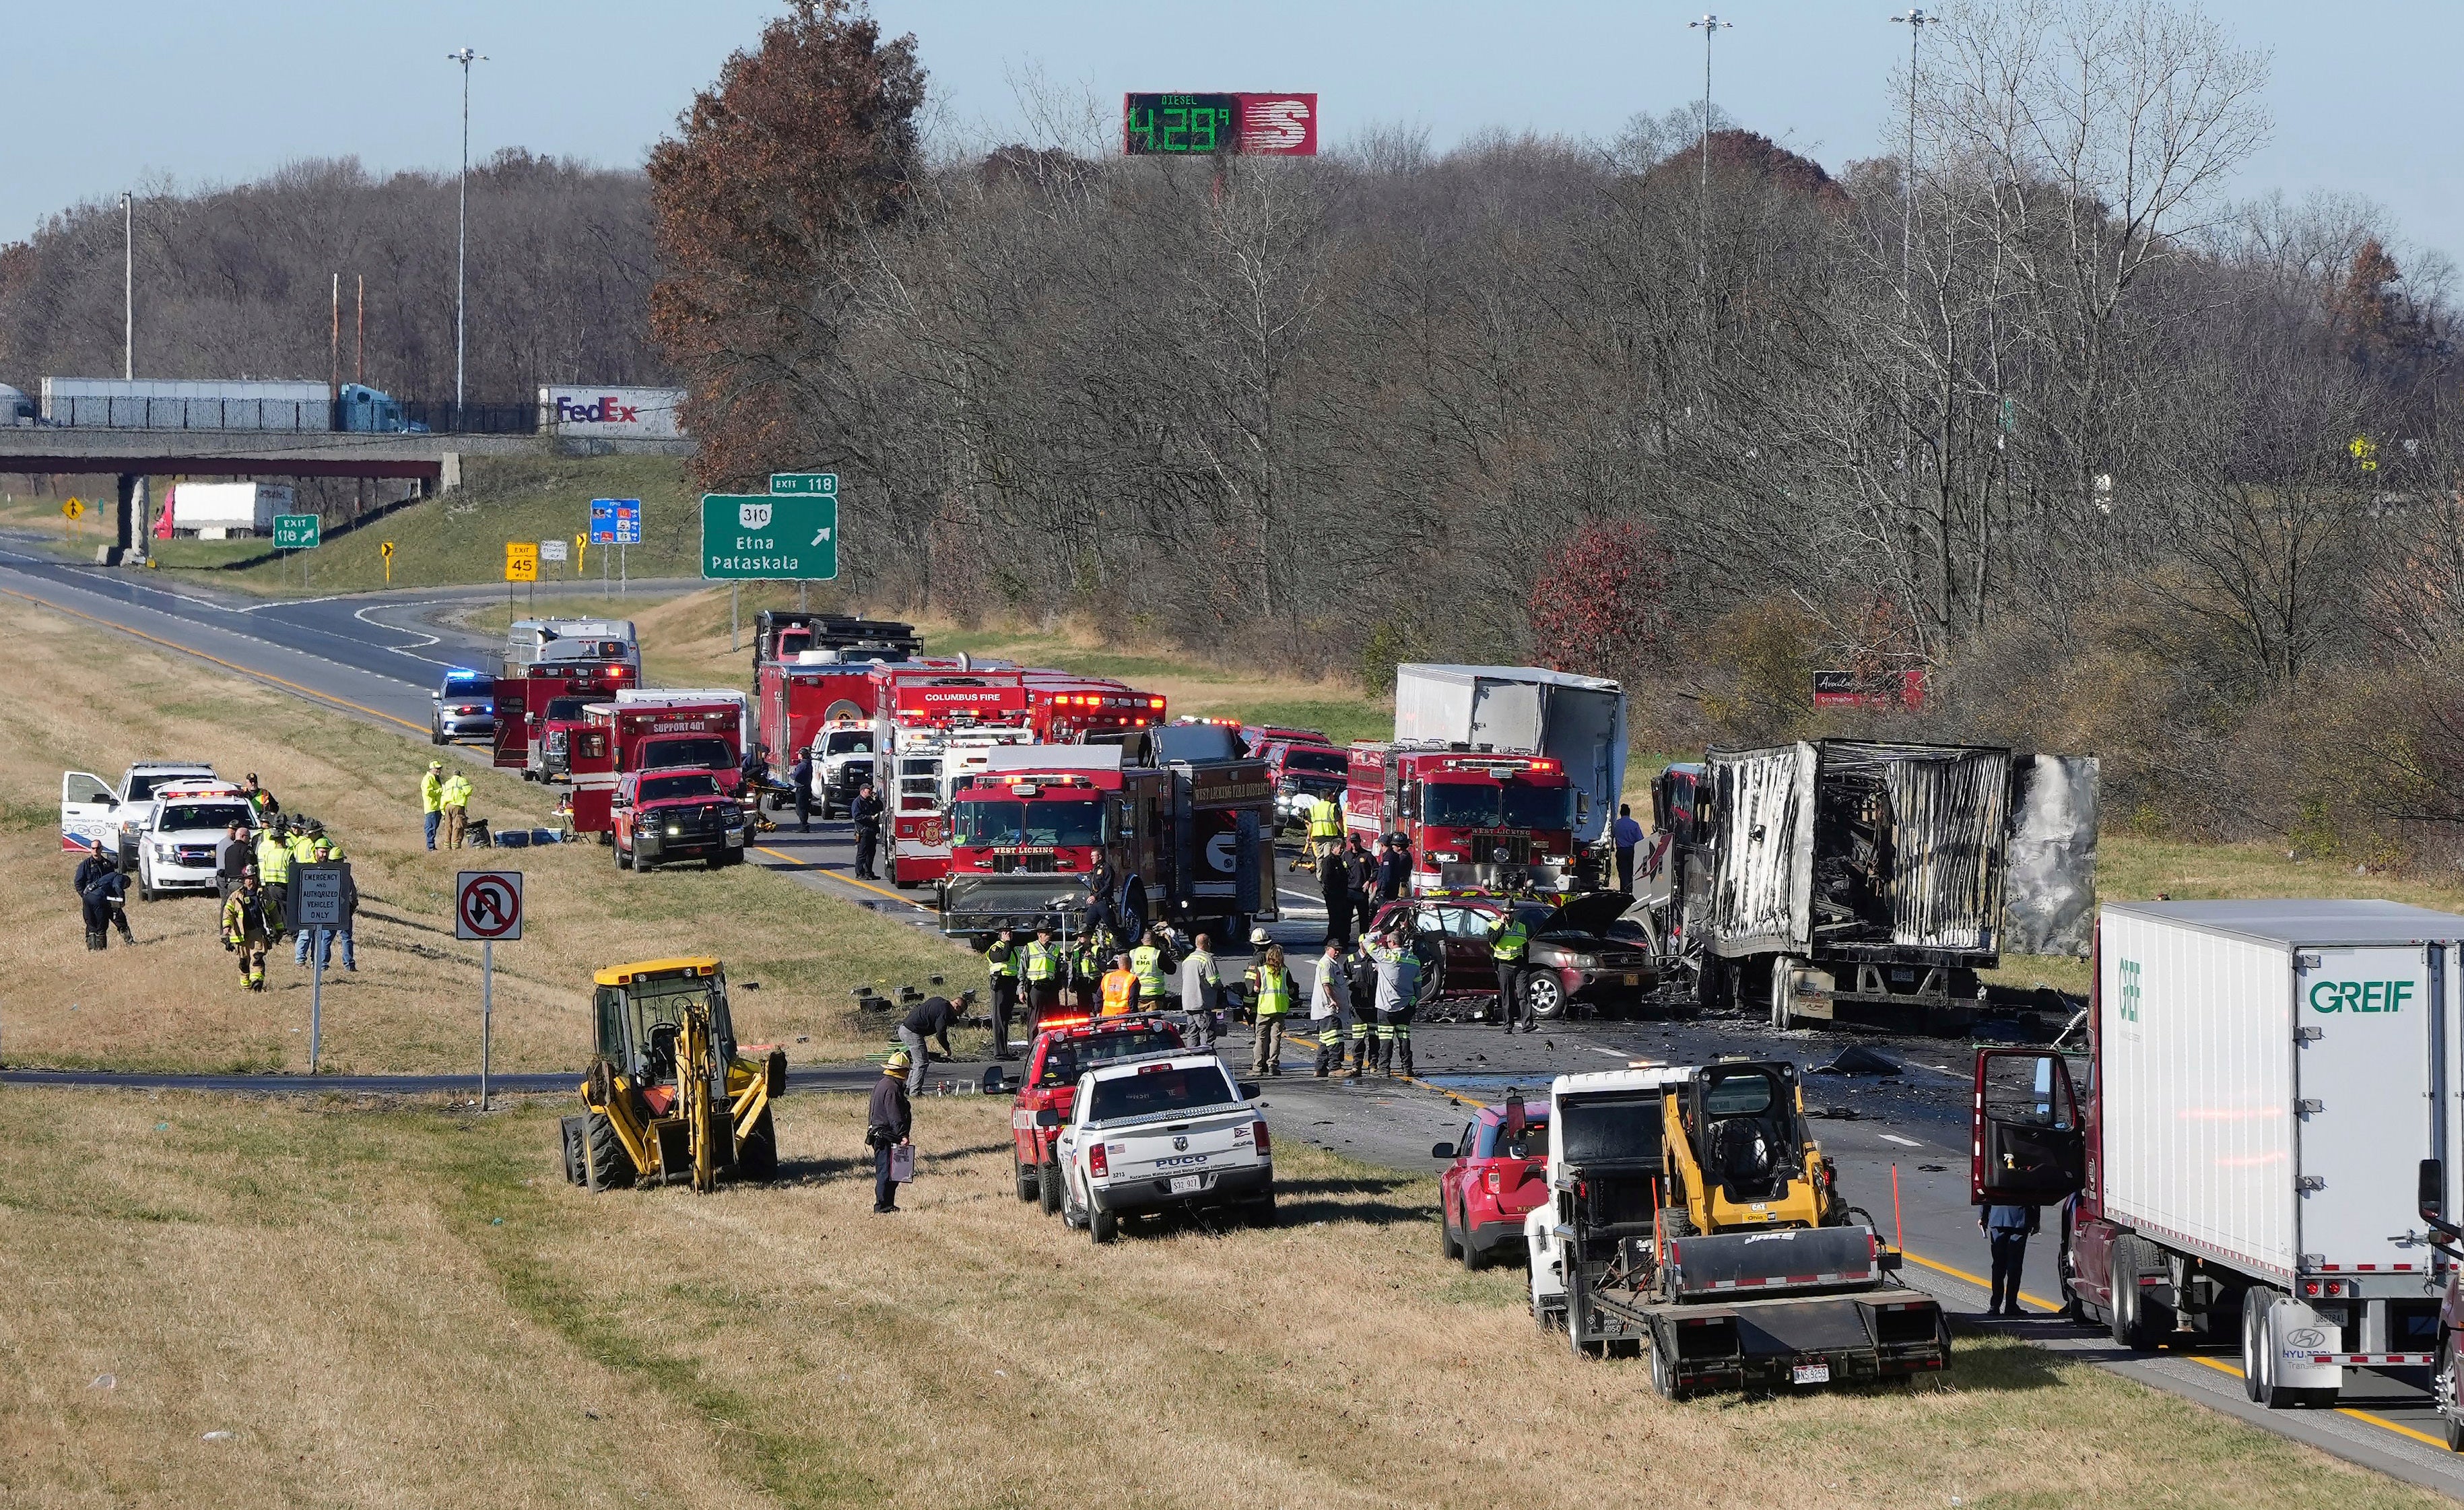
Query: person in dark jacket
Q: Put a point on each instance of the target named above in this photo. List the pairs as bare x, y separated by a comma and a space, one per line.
931, 1018
1334, 889
866, 811
234, 855
2007, 1230
889, 1121
1394, 869
802, 775
102, 891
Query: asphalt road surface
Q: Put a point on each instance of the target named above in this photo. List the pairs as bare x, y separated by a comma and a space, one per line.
1900, 1141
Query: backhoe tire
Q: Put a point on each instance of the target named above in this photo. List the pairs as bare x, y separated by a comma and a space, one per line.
1102, 1225
569, 1134
757, 1153
1047, 1183
615, 1167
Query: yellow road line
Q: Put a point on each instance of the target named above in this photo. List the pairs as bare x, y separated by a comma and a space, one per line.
189, 649
2379, 1421
846, 879
1979, 1280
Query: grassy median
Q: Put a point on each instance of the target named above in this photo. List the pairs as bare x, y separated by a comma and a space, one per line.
85, 699
221, 1303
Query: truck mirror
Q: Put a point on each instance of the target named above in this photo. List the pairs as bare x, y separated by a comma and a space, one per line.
1248, 1090
992, 1082
1441, 1151
2432, 1190
1047, 1118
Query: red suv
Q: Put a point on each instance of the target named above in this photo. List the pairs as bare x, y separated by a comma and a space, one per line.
1061, 1054
1498, 1173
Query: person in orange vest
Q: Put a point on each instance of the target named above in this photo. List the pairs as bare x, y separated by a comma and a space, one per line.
1120, 988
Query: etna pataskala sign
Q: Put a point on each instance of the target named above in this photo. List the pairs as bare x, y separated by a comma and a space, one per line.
748, 536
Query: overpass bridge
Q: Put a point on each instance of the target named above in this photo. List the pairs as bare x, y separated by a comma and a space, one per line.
433, 462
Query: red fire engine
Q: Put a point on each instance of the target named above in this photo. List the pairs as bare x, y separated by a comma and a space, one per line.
564, 657
794, 699
1063, 706
654, 735
932, 718
1476, 821
552, 695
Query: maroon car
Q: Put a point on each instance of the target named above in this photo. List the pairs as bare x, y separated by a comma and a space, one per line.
1585, 952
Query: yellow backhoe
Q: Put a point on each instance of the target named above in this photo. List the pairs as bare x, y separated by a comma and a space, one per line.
671, 1096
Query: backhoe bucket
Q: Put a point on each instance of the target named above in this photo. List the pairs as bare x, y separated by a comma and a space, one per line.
1737, 1265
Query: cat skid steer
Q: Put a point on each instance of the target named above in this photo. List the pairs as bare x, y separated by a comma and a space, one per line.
671, 1097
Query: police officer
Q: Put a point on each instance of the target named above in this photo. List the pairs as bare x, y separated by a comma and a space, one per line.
250, 928
801, 774
1334, 887
1201, 991
1394, 869
1506, 947
1270, 991
865, 813
1001, 967
1149, 962
103, 894
1045, 967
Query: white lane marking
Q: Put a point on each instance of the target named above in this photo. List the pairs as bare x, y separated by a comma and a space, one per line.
1904, 1142
399, 628
1614, 1053
294, 603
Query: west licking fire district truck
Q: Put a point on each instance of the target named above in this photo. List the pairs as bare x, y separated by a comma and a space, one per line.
552, 661
1475, 820
650, 731
1185, 829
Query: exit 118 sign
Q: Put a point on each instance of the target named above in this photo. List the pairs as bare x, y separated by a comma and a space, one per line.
1202, 126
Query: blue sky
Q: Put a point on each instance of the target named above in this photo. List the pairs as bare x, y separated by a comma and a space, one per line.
227, 92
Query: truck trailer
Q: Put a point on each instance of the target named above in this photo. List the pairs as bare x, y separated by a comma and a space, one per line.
2241, 1150
1867, 883
1577, 721
227, 510
218, 403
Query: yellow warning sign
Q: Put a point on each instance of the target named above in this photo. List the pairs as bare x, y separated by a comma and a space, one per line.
521, 561
73, 508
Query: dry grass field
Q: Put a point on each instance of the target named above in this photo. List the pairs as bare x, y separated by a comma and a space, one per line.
173, 1002
406, 1307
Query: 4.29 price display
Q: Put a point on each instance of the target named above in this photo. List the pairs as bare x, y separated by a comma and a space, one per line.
1180, 124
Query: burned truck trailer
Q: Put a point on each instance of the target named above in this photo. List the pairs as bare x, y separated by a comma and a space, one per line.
1869, 883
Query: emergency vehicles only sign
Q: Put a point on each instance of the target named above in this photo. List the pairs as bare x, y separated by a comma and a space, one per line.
775, 536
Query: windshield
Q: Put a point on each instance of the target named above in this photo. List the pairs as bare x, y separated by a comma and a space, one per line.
1738, 1096
1076, 821
470, 686
1162, 1089
847, 741
1619, 1130
1458, 805
657, 788
1065, 1060
711, 754
1329, 762
1528, 807
182, 817
142, 786
566, 710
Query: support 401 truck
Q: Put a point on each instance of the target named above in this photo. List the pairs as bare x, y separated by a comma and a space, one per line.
2242, 1158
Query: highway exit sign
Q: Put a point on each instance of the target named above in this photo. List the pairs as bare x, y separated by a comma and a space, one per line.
818, 484
769, 536
296, 531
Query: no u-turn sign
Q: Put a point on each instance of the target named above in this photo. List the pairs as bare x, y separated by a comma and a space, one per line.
487, 905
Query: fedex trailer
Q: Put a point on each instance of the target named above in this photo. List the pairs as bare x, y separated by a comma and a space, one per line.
612, 413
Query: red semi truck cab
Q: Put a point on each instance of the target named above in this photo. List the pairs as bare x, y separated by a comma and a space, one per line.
623, 737
1474, 820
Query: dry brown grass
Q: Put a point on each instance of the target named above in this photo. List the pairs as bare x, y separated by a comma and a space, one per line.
83, 699
407, 1306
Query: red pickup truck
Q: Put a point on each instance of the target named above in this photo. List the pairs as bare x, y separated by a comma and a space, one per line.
1063, 1052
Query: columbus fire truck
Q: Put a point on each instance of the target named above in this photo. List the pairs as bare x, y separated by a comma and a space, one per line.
652, 731
1475, 820
547, 660
1064, 707
932, 721
1184, 826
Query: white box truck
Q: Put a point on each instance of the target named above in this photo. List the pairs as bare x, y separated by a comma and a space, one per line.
1579, 721
228, 510
2241, 1156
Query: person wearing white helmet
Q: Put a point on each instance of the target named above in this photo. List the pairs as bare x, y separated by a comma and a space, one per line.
889, 1121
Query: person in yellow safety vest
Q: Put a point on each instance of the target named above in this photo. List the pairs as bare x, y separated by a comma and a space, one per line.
454, 798
1271, 989
247, 930
1506, 947
1001, 964
432, 799
1325, 830
274, 868
304, 844
1120, 988
1043, 965
1147, 960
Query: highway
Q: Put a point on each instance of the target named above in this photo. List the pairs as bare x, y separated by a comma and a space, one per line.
376, 658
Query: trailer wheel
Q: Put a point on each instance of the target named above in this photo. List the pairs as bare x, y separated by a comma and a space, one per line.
2443, 1389
1663, 1373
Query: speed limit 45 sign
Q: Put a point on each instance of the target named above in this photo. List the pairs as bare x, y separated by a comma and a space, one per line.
487, 905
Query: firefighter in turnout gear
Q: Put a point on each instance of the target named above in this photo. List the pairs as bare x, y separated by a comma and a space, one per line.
249, 927
1361, 972
273, 865
1001, 965
1330, 1008
1399, 988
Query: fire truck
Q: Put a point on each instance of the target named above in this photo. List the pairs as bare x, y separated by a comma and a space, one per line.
550, 658
934, 721
794, 700
652, 731
785, 634
554, 693
1475, 820
1184, 826
1064, 707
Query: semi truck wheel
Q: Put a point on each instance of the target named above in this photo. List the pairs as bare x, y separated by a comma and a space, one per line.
1663, 1373
2443, 1390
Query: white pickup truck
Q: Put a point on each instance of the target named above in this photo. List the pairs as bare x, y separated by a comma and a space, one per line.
93, 810
1158, 1133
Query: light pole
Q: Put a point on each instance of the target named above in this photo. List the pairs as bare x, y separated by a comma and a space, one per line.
462, 229
1703, 189
127, 287
1915, 21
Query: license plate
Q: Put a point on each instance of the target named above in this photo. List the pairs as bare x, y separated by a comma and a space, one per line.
1814, 1373
1634, 980
1188, 1184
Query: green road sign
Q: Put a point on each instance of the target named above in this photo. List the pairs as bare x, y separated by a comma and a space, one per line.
817, 484
295, 531
746, 536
